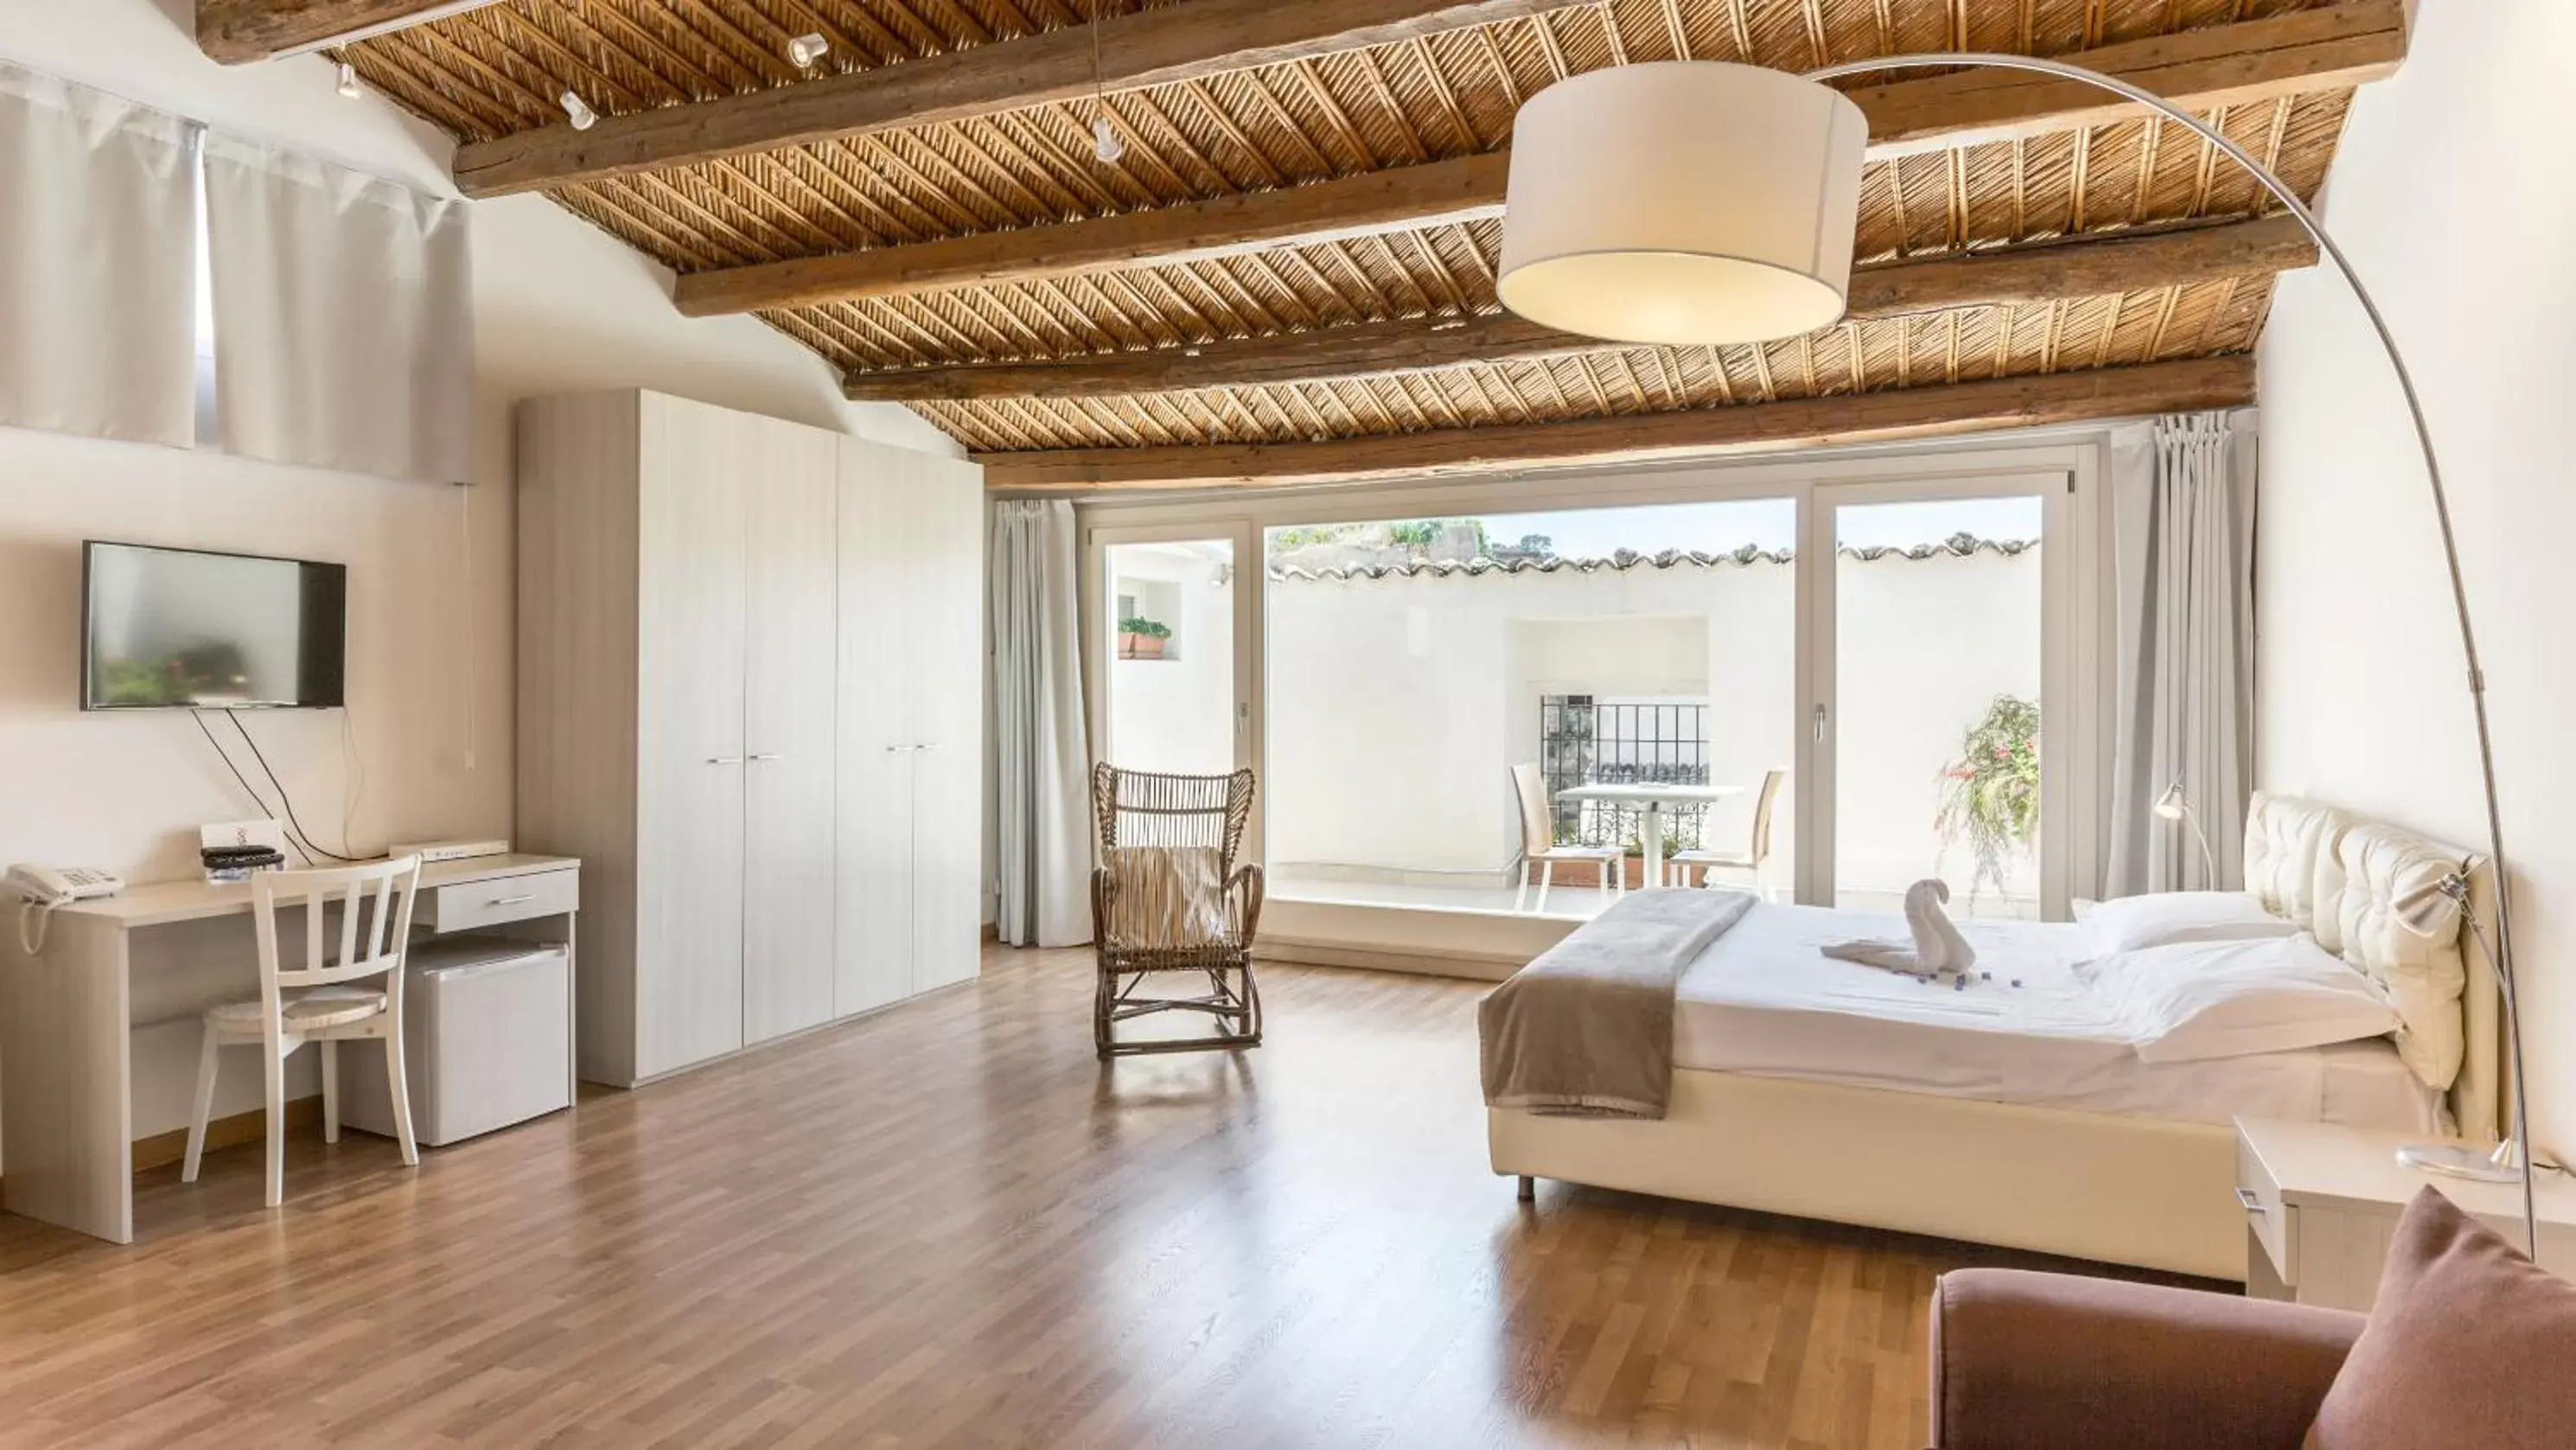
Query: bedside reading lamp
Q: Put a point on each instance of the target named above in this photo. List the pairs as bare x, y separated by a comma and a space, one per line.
2174, 805
1706, 204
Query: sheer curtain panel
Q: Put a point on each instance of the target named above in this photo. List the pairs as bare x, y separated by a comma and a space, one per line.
2182, 494
98, 236
1042, 838
344, 319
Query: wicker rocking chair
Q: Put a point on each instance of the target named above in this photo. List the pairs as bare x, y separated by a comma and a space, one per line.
1169, 897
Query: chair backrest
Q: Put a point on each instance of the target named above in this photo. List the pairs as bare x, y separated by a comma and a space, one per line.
1538, 824
1148, 808
1760, 846
375, 901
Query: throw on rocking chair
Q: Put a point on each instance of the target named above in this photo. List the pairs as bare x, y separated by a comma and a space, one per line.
1168, 897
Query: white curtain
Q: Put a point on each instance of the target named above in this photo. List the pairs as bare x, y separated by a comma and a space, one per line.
98, 271
1042, 810
2182, 492
344, 319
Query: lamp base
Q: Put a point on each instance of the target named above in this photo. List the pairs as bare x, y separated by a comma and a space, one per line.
2453, 1161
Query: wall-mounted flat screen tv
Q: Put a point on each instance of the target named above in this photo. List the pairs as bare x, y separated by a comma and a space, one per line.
176, 629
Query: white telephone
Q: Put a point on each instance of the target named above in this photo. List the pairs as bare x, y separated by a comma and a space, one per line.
43, 888
51, 886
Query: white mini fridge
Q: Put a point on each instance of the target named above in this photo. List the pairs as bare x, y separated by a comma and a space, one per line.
487, 1041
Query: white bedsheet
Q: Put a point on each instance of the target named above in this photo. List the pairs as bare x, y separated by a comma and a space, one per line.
1764, 1000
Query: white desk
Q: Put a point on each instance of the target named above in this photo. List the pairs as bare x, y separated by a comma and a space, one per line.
67, 1014
1653, 798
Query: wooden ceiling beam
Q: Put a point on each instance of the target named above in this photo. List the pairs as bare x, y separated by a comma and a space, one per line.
2330, 48
238, 32
2333, 47
2024, 402
1141, 48
1370, 203
2100, 267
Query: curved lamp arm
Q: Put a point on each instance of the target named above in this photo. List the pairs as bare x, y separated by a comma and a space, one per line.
2291, 203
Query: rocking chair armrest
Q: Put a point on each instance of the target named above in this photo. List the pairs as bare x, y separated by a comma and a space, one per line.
1103, 887
1247, 885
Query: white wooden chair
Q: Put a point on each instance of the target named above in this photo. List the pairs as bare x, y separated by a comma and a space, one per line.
1540, 850
1757, 848
325, 1000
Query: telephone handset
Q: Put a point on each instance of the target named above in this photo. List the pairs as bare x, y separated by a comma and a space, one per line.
42, 888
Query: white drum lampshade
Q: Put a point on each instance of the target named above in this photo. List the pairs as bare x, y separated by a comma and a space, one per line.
1683, 202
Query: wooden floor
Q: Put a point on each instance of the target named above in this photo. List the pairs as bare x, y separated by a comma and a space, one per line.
947, 1225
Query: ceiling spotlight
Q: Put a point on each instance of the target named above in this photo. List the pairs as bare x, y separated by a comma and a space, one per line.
583, 117
805, 50
1104, 140
348, 86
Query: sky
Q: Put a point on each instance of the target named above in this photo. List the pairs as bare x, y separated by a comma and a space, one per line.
1716, 528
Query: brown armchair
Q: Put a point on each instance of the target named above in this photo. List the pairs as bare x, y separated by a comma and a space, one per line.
2022, 1359
1170, 896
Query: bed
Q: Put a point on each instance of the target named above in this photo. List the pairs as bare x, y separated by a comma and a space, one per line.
1831, 1091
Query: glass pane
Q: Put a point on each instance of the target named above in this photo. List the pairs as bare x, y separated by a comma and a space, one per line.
1171, 657
1437, 687
1936, 687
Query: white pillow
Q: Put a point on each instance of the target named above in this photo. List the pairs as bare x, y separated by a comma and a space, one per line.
2195, 1000
2134, 923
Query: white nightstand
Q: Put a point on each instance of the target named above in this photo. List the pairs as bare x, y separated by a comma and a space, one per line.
2321, 1203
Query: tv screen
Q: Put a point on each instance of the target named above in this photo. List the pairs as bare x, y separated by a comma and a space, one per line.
181, 628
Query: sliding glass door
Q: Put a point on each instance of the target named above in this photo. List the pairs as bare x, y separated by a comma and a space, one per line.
1822, 681
1936, 670
1461, 709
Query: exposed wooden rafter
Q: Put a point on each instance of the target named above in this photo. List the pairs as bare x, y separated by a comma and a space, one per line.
2021, 402
236, 32
1371, 203
2106, 267
2222, 66
1141, 48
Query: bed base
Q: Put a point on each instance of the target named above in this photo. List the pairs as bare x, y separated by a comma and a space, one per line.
2137, 1191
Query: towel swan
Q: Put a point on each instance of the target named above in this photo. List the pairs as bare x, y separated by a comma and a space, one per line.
1937, 948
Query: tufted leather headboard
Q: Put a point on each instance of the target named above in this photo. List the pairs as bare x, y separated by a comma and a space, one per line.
2339, 876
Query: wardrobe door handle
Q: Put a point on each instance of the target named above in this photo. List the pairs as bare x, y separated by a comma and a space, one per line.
769, 757
724, 760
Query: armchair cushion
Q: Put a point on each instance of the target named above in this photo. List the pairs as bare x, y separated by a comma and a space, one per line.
2024, 1359
2468, 1344
1166, 898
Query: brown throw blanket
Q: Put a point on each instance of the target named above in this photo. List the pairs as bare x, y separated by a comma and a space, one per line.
1587, 1029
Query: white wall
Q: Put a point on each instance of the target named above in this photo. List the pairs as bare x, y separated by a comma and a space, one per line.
559, 307
2449, 199
1397, 705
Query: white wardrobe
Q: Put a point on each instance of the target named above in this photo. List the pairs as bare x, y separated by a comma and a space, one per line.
750, 701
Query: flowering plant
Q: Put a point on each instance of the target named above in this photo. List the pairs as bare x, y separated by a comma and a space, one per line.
1990, 794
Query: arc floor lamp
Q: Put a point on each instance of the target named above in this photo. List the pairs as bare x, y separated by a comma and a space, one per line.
1691, 203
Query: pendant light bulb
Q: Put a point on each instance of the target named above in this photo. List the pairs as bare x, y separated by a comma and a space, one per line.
1105, 142
808, 50
583, 117
348, 87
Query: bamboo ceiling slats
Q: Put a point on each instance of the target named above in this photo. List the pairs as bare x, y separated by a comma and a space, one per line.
496, 71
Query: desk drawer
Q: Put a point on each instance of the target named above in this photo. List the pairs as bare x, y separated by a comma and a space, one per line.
2274, 1224
466, 905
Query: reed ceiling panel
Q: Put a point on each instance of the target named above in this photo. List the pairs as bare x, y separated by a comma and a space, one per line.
497, 70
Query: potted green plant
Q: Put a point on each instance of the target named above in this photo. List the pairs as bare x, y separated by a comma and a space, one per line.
1990, 794
1140, 638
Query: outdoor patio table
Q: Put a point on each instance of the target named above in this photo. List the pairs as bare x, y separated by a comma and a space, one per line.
1652, 798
